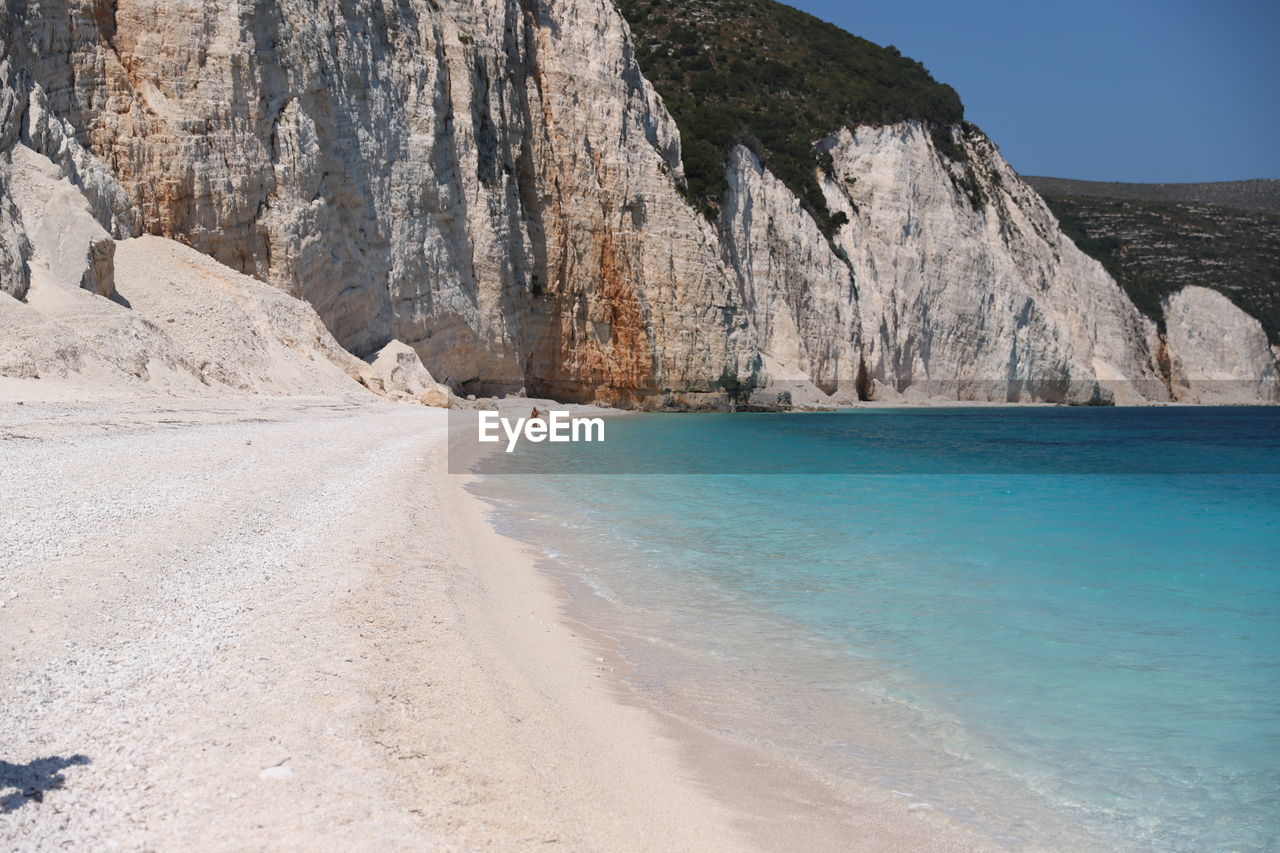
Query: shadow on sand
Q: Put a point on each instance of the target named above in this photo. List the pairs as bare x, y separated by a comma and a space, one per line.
32, 779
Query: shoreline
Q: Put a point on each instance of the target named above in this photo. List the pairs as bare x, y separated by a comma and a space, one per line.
830, 801
779, 802
263, 627
1061, 833
266, 624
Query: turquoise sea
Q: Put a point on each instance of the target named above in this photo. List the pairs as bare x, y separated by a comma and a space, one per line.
1059, 625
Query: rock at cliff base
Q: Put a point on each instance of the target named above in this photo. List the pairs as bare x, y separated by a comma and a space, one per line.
100, 267
397, 372
68, 246
437, 397
1217, 352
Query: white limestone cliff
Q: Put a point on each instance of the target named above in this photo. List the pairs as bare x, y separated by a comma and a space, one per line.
955, 276
801, 296
490, 182
1217, 353
496, 185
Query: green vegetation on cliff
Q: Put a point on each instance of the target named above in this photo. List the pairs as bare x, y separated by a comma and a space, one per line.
1155, 248
775, 79
1260, 194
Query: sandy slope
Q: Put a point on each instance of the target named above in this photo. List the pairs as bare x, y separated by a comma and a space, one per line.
161, 318
189, 604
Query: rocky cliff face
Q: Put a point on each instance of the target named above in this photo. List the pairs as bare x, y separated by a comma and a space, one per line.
950, 277
1216, 352
496, 184
802, 296
489, 181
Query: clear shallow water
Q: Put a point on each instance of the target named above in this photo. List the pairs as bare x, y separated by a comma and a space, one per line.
1010, 622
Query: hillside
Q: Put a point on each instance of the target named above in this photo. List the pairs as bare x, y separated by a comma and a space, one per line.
1158, 238
1261, 195
776, 79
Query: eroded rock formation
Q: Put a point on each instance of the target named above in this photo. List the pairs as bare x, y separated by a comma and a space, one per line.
950, 277
1217, 353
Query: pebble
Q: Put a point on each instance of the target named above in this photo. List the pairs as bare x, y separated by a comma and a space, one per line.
280, 771
150, 562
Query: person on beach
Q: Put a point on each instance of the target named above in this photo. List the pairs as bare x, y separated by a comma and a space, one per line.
535, 415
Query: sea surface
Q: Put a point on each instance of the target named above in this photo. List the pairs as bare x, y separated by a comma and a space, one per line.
1061, 626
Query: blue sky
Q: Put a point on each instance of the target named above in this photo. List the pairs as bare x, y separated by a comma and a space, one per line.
1128, 90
